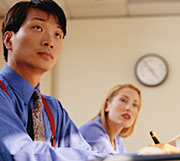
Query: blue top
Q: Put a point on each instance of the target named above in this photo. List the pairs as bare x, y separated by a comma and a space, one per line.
16, 144
96, 135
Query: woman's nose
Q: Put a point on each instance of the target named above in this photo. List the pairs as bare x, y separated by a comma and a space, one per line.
47, 44
128, 107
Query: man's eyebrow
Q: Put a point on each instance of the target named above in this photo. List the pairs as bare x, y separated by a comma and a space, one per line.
41, 19
59, 26
38, 18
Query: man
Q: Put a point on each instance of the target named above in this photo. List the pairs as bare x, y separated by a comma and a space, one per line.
33, 33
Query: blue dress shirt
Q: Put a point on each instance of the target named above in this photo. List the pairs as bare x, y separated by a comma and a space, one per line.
16, 144
95, 134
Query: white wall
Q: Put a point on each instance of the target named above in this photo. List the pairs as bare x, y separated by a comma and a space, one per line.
100, 53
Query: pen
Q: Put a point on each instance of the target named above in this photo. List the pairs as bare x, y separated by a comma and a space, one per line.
154, 137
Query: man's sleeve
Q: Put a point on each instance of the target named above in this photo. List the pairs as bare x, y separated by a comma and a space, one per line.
15, 143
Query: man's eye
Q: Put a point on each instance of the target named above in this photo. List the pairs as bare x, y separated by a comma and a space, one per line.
58, 35
37, 28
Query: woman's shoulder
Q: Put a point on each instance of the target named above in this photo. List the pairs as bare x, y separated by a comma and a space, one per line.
92, 124
120, 145
92, 128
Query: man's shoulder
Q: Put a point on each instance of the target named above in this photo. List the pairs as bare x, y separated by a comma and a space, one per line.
4, 83
3, 80
53, 102
51, 99
4, 94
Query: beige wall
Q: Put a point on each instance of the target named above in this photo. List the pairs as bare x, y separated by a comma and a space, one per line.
100, 53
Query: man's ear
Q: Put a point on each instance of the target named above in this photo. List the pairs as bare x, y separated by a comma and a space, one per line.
8, 39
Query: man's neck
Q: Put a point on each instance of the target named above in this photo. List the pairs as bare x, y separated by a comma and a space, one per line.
31, 75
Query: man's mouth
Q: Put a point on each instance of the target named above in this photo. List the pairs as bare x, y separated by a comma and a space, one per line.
45, 54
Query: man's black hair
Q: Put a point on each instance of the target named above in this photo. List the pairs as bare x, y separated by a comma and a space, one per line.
18, 13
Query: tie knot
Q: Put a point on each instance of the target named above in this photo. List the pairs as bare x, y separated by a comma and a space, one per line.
36, 94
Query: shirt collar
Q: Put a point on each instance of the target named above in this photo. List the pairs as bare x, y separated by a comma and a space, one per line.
18, 83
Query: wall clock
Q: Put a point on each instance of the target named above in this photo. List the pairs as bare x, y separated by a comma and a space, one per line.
151, 70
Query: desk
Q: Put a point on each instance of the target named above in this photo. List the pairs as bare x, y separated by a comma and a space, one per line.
167, 157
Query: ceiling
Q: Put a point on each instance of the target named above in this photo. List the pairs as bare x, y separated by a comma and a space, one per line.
110, 8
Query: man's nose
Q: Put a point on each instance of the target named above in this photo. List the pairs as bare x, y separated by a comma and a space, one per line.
47, 44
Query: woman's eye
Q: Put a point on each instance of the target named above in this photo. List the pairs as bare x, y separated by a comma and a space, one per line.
123, 100
135, 105
37, 28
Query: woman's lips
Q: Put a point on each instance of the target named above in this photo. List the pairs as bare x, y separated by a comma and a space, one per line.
126, 116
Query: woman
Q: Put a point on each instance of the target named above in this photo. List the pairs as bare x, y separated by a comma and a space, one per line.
117, 118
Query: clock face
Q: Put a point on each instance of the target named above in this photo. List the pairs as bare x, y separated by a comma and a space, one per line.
151, 70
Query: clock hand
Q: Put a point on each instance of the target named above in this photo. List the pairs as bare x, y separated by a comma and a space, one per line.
151, 70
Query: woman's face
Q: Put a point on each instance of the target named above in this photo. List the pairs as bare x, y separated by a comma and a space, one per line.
123, 107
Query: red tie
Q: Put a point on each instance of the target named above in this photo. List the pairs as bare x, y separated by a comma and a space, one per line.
38, 123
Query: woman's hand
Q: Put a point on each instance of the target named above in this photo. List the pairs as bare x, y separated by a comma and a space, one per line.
156, 149
166, 148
